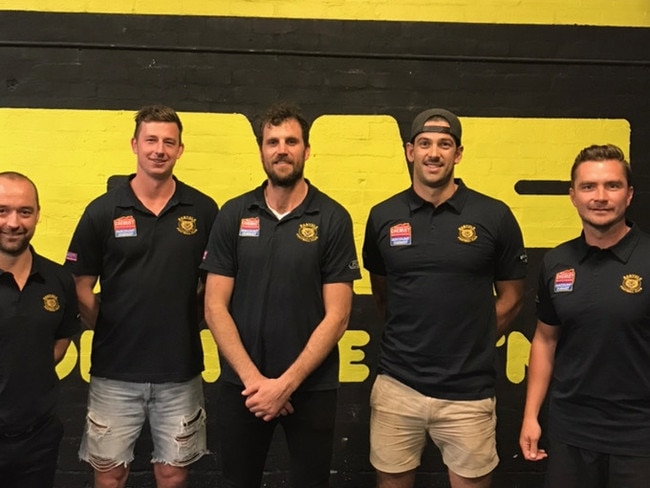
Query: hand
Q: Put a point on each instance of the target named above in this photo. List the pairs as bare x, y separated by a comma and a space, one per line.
528, 439
268, 398
286, 410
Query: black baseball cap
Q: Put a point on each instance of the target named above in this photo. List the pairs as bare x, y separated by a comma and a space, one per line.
454, 129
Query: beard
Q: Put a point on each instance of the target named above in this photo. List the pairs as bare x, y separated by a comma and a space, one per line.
15, 247
285, 180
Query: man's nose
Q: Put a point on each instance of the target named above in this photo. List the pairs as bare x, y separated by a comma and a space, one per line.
13, 220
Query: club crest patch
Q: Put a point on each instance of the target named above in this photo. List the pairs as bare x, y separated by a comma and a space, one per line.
631, 283
401, 235
187, 225
467, 233
125, 226
249, 227
564, 281
51, 302
307, 232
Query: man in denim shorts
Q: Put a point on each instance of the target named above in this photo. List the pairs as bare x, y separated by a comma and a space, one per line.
436, 253
144, 240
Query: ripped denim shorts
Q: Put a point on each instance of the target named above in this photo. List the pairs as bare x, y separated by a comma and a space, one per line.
117, 411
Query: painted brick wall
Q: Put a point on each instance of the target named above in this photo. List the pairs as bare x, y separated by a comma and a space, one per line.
533, 81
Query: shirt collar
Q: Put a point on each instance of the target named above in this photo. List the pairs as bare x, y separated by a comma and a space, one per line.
308, 205
126, 198
622, 250
37, 266
456, 202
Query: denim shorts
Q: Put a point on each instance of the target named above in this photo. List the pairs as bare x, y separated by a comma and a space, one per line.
116, 414
401, 418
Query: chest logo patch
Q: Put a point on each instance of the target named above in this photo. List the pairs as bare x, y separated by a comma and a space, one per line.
307, 232
125, 226
51, 302
187, 225
467, 233
401, 235
564, 281
631, 283
249, 227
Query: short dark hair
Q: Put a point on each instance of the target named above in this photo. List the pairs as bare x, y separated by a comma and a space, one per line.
15, 175
157, 113
279, 113
601, 153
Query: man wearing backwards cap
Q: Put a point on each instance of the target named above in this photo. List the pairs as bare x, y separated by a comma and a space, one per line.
438, 253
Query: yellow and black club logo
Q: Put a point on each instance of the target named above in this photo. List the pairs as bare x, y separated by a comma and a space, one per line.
51, 302
186, 225
631, 283
467, 233
307, 232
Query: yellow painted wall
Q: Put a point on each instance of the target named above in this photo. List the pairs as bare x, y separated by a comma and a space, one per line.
630, 13
358, 160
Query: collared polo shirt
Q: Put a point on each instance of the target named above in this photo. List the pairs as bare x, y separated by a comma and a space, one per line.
600, 298
148, 267
280, 267
440, 265
31, 320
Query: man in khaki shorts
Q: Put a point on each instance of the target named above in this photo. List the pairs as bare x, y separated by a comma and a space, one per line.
437, 254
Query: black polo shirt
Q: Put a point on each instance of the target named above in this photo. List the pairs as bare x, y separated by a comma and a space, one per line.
280, 267
148, 325
440, 265
600, 395
31, 319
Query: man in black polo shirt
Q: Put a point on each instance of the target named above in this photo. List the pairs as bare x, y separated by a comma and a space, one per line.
144, 240
38, 315
593, 339
280, 261
437, 253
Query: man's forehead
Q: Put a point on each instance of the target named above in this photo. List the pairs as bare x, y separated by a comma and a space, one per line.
287, 128
10, 189
157, 126
603, 167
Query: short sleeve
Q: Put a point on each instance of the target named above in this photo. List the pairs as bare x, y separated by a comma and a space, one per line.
372, 259
85, 253
340, 263
512, 260
221, 252
543, 303
70, 325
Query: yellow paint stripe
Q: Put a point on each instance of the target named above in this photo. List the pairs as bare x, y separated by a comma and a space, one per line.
620, 13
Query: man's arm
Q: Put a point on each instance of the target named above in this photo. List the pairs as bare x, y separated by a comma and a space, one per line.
540, 369
267, 398
218, 291
88, 301
60, 347
379, 293
509, 300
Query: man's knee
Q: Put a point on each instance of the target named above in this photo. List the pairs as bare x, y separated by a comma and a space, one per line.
111, 476
168, 476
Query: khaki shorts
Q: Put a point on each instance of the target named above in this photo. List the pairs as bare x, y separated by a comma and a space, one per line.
464, 431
